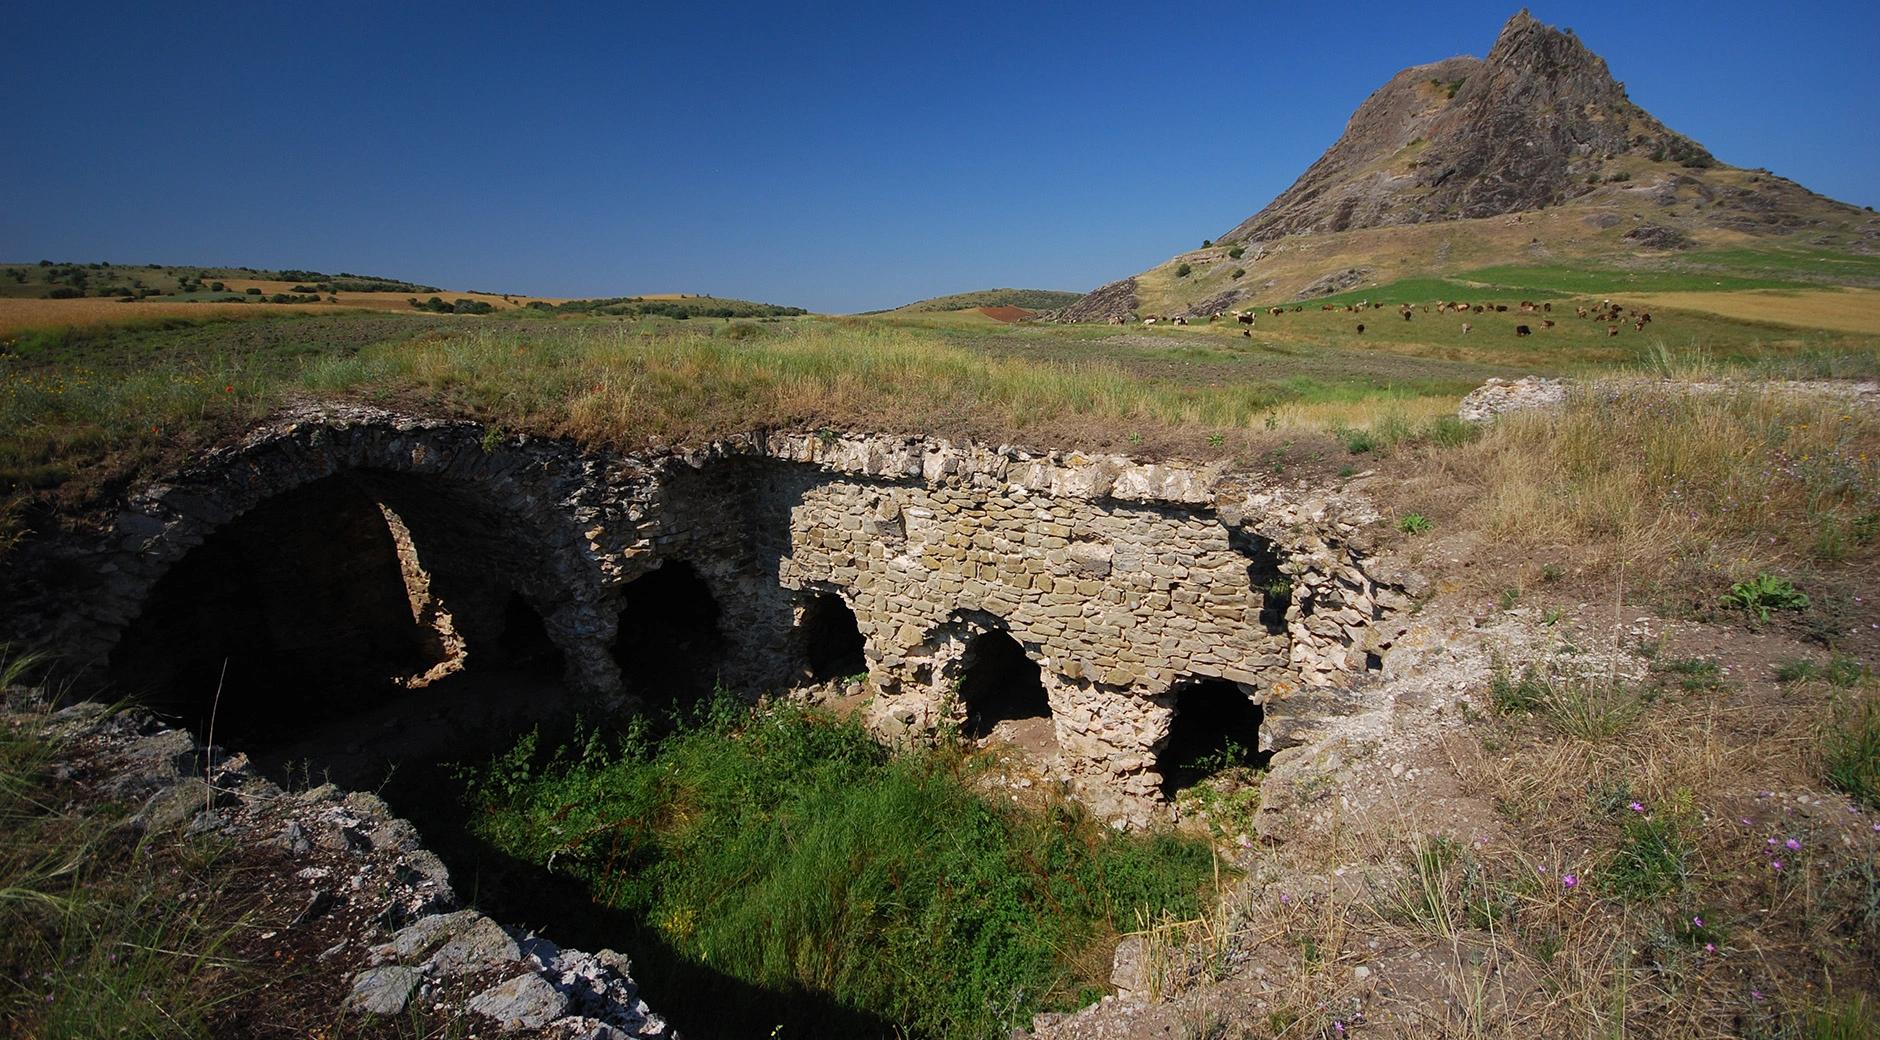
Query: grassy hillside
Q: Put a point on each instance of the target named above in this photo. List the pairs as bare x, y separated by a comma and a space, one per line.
1030, 299
1580, 247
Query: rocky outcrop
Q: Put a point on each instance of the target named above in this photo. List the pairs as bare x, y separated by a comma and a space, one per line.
1657, 236
1115, 302
1498, 395
1335, 282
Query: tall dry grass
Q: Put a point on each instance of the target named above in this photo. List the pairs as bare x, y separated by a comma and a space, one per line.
1732, 481
619, 386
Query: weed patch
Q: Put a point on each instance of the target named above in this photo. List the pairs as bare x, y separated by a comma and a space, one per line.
787, 849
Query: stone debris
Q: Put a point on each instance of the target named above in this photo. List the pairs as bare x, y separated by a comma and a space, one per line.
416, 946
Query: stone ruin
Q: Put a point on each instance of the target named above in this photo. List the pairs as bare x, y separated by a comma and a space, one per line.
1118, 602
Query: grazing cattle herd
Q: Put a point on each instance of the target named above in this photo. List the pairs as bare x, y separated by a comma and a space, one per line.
1612, 315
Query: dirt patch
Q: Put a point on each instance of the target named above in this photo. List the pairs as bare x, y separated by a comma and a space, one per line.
1007, 314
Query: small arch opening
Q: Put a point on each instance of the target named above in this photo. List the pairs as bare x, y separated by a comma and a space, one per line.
1216, 727
523, 643
999, 683
668, 642
833, 646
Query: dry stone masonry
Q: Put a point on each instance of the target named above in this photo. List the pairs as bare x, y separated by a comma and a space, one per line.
1123, 582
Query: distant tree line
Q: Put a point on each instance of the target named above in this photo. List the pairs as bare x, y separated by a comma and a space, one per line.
460, 306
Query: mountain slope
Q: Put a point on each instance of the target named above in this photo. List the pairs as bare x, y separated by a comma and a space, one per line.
1533, 154
1030, 299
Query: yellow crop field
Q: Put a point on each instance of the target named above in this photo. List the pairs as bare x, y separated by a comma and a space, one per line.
1843, 310
18, 314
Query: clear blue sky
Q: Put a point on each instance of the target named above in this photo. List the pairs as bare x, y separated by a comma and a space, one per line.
834, 156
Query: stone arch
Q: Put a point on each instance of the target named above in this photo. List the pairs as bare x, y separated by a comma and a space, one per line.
1213, 723
669, 641
481, 523
830, 637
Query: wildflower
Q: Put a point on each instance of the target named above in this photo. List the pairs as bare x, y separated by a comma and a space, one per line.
1746, 821
1710, 947
1570, 880
1755, 994
1775, 864
1636, 807
1793, 845
1698, 921
229, 389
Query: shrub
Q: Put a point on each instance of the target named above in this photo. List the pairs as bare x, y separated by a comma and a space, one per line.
1183, 270
1239, 273
251, 291
1414, 523
1765, 593
1206, 242
1237, 252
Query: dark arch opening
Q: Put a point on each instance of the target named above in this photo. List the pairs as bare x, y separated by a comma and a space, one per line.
1216, 726
524, 643
296, 611
668, 641
999, 683
832, 641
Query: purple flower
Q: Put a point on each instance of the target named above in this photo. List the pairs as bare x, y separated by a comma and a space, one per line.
1793, 845
1745, 821
1698, 921
1570, 880
1339, 1028
1775, 864
1710, 947
1636, 807
1755, 994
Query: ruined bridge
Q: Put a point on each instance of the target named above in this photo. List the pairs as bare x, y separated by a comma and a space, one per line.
1119, 601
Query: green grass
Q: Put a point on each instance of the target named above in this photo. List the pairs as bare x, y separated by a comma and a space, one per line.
1584, 708
1851, 752
788, 850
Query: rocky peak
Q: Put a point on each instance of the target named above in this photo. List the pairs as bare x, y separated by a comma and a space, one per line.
1469, 137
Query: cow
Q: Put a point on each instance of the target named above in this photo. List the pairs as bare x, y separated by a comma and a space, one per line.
1547, 323
1247, 333
1466, 327
1148, 321
1612, 330
1523, 330
1181, 321
1405, 311
1478, 308
1327, 307
1244, 319
1548, 307
1500, 307
1527, 307
1361, 328
1581, 311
